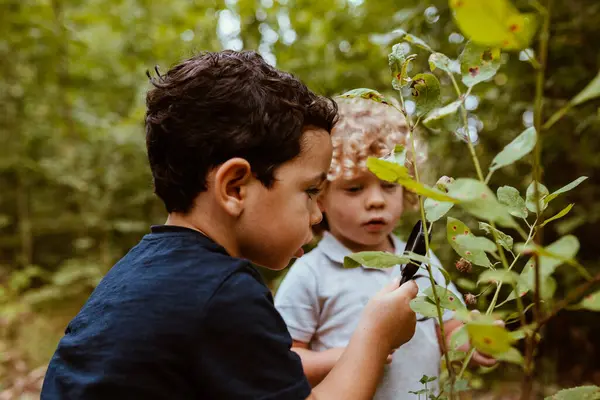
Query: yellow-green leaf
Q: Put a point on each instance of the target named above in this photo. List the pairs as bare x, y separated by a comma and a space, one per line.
577, 393
368, 94
478, 63
591, 91
434, 209
442, 112
489, 339
530, 201
510, 197
505, 240
456, 228
564, 189
512, 356
459, 338
499, 275
441, 61
422, 306
475, 243
425, 92
373, 259
560, 214
398, 62
591, 302
448, 299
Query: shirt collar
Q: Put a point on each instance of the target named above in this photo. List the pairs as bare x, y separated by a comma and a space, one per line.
336, 251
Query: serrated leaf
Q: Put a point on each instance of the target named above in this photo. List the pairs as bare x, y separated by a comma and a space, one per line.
368, 94
456, 228
474, 243
459, 337
577, 393
560, 214
513, 356
505, 240
530, 201
477, 199
434, 209
478, 63
422, 306
564, 189
499, 275
510, 197
398, 62
442, 112
392, 172
441, 61
448, 299
515, 150
489, 339
374, 259
425, 92
591, 302
494, 23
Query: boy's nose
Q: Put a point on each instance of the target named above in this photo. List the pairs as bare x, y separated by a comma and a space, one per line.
316, 215
375, 199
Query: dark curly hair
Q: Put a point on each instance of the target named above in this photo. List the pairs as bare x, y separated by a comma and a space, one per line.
216, 106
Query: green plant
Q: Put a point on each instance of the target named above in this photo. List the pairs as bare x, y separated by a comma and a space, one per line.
493, 27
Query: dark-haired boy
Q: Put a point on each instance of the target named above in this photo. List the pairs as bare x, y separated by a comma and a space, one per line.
238, 152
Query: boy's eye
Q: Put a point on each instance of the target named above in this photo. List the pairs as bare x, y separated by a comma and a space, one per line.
313, 192
353, 189
389, 185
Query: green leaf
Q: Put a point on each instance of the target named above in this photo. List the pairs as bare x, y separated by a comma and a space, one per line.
499, 275
407, 37
478, 63
422, 306
448, 299
373, 259
489, 339
510, 197
577, 393
474, 243
454, 229
426, 379
591, 302
515, 150
442, 112
494, 23
466, 284
512, 356
560, 214
399, 154
591, 91
459, 338
441, 61
398, 62
564, 189
392, 172
425, 92
368, 94
434, 209
530, 201
477, 199
505, 240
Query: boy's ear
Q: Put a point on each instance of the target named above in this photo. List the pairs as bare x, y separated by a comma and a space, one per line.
231, 181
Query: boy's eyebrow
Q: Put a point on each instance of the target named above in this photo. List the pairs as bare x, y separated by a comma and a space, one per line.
319, 178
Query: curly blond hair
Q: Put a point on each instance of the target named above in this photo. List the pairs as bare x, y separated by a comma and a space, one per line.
365, 129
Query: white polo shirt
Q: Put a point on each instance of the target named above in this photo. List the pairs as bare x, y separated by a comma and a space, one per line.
321, 303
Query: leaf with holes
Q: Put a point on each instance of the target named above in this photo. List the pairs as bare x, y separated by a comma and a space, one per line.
591, 302
425, 92
494, 23
434, 209
513, 356
478, 63
368, 94
515, 150
577, 393
505, 240
475, 243
564, 189
560, 214
373, 259
448, 299
477, 199
423, 306
441, 61
530, 201
456, 228
398, 62
510, 197
499, 276
489, 339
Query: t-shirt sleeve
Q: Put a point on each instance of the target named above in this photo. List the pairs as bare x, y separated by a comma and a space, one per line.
296, 300
246, 346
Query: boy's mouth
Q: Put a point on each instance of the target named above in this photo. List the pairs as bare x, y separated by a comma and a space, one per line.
375, 224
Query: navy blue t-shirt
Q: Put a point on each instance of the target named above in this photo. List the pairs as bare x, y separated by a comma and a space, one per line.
177, 318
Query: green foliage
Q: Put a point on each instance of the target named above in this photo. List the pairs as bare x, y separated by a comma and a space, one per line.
425, 92
515, 150
577, 393
455, 229
373, 259
478, 63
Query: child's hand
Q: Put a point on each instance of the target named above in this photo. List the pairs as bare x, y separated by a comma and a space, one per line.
478, 359
388, 315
